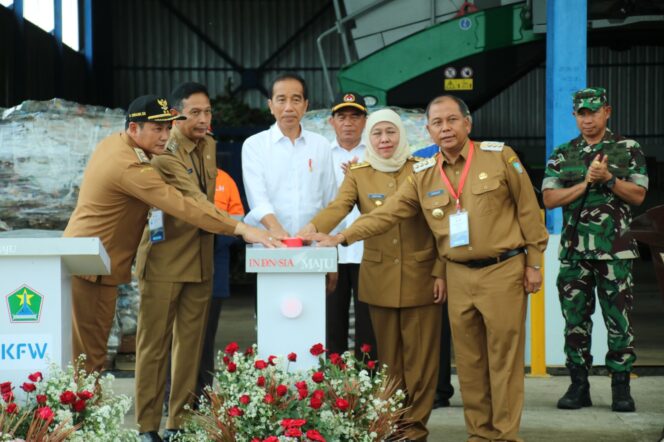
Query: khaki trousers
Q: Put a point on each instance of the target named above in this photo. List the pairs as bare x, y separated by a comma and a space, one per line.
171, 320
487, 308
93, 309
408, 342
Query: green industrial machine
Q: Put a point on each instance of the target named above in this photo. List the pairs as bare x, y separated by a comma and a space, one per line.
471, 56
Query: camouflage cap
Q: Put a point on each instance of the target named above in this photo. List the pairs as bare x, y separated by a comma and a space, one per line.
592, 98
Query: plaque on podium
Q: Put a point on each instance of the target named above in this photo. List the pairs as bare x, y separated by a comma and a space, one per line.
35, 286
291, 299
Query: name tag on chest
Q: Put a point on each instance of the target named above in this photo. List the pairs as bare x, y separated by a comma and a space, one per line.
156, 226
459, 231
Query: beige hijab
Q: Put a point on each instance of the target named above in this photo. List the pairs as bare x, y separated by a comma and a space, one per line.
401, 153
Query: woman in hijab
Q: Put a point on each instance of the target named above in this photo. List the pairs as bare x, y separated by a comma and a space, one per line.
400, 274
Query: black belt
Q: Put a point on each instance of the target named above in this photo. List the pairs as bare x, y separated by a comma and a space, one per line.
479, 263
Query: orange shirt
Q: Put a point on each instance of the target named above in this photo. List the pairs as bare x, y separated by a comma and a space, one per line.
227, 195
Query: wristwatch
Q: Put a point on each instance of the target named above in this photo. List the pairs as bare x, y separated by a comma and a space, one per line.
611, 182
536, 267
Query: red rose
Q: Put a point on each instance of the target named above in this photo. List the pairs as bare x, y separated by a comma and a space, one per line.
260, 364
270, 359
268, 398
271, 439
41, 398
231, 367
235, 411
260, 381
68, 397
85, 395
5, 387
371, 365
301, 385
366, 348
335, 359
245, 399
232, 348
28, 387
255, 439
8, 397
317, 349
320, 394
292, 357
226, 359
249, 351
315, 436
341, 404
318, 377
315, 402
79, 405
281, 390
302, 394
287, 423
36, 376
293, 432
45, 413
12, 408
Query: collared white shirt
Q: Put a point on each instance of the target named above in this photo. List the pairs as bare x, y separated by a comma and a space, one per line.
293, 181
351, 254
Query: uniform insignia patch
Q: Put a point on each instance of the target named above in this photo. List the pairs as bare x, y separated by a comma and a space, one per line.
435, 192
493, 146
375, 196
359, 165
517, 166
483, 176
190, 171
424, 165
172, 145
142, 156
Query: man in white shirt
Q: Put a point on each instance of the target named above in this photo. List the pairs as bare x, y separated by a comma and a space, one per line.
349, 116
287, 171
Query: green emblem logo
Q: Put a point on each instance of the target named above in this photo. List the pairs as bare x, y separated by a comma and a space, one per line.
24, 305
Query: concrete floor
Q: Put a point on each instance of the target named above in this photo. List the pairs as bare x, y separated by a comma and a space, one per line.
541, 422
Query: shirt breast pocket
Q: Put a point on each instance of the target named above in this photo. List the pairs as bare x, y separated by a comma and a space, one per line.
487, 196
436, 210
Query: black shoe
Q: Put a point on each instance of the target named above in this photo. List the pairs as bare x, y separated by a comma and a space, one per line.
578, 394
620, 391
440, 401
149, 436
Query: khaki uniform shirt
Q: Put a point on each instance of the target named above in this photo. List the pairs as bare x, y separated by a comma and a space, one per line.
398, 265
119, 186
498, 195
186, 253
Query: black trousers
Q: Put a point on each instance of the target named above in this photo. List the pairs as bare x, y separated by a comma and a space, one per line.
337, 318
444, 388
206, 370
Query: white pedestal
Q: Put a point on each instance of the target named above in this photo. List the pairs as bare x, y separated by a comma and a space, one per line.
35, 296
291, 299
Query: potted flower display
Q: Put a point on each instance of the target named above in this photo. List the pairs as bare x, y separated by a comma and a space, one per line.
64, 405
261, 400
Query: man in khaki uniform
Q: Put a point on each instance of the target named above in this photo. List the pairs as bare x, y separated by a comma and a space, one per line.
119, 186
175, 273
488, 276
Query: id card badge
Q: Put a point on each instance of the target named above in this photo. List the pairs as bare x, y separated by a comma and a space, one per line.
459, 232
156, 226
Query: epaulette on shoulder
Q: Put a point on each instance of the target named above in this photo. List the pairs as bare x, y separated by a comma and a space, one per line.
493, 146
172, 145
416, 159
359, 165
424, 164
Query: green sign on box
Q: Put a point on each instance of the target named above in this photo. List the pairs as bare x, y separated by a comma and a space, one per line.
24, 305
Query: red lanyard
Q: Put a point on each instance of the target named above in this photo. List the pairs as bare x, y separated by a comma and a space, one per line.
462, 181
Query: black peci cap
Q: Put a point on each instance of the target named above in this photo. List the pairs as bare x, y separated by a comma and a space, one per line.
151, 108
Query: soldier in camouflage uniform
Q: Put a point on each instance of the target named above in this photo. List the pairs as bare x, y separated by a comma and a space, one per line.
595, 178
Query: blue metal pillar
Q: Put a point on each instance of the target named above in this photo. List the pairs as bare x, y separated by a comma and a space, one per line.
566, 43
57, 34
